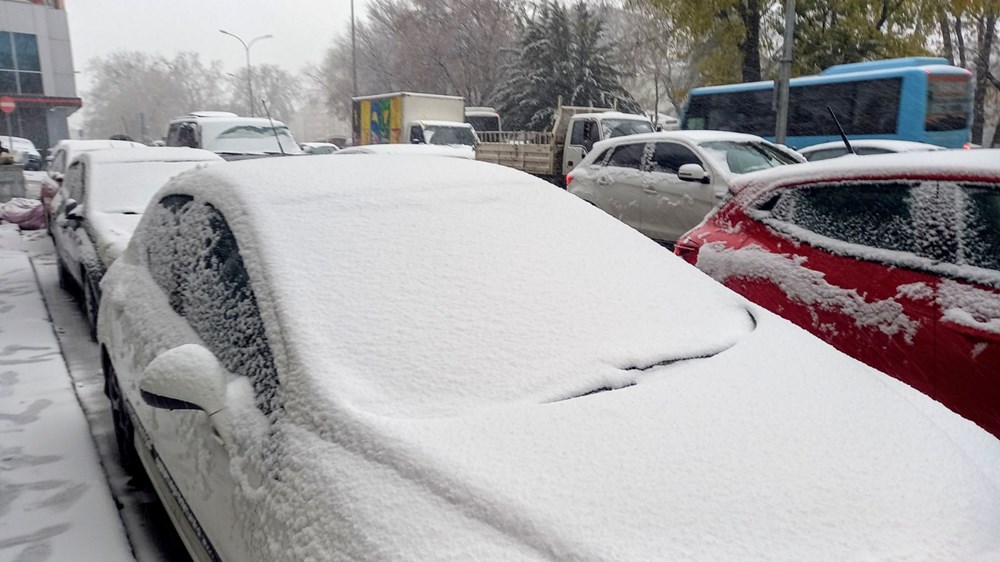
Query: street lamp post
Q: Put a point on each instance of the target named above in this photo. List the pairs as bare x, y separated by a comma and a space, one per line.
246, 47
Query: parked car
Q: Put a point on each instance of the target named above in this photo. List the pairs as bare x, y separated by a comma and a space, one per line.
893, 259
24, 151
864, 147
100, 203
63, 154
662, 184
319, 147
441, 359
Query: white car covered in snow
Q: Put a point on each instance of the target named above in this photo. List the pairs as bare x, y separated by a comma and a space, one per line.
864, 147
98, 205
441, 359
663, 184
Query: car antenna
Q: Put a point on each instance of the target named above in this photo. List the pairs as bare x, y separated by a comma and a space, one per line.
275, 131
840, 130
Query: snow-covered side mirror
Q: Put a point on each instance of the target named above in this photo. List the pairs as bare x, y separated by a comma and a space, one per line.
74, 210
692, 172
188, 377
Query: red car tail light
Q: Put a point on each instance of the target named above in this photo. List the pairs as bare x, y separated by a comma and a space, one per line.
569, 180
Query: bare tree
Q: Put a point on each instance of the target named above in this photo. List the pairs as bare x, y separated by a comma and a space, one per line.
137, 94
278, 88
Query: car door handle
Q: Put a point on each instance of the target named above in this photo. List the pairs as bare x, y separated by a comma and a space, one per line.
603, 180
649, 189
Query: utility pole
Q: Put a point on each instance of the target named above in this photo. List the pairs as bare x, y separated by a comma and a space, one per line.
354, 56
781, 124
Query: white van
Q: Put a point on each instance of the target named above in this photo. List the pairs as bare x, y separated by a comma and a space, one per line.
231, 136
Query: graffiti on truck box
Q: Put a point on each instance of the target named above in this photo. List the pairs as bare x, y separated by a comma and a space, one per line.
379, 120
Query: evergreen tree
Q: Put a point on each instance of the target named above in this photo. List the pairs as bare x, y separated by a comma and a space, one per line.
560, 55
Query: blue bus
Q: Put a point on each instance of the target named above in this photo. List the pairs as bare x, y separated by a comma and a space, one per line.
921, 99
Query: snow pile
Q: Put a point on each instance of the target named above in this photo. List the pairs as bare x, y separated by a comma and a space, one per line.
473, 364
969, 306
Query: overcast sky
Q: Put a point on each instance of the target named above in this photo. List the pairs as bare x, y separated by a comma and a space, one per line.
302, 29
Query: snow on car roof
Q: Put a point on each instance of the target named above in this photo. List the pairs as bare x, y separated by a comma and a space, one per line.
888, 144
956, 164
441, 323
612, 115
153, 154
410, 149
97, 144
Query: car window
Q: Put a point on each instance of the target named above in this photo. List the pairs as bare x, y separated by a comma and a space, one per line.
197, 263
745, 157
979, 218
865, 150
74, 181
826, 154
59, 161
576, 137
874, 215
627, 156
668, 157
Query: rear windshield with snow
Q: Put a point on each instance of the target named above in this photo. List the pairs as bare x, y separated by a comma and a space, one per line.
244, 138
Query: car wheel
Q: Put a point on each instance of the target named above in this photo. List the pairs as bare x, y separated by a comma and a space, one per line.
90, 304
124, 430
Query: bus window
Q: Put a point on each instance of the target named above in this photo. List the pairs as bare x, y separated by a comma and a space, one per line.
948, 99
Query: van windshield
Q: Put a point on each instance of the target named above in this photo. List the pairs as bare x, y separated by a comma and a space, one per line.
621, 127
247, 138
449, 135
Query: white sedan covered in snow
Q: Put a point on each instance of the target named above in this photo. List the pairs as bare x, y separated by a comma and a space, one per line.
440, 359
98, 205
663, 184
864, 147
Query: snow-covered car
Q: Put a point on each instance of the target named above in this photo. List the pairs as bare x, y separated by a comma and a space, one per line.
662, 184
62, 155
893, 259
231, 136
410, 150
864, 147
99, 204
24, 152
315, 148
441, 359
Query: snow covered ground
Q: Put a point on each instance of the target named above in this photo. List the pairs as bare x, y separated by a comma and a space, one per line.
63, 495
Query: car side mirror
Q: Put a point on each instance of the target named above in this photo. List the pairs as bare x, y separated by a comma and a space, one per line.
74, 210
57, 177
187, 377
692, 172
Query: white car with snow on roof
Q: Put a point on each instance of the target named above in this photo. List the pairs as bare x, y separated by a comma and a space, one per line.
865, 147
99, 204
406, 372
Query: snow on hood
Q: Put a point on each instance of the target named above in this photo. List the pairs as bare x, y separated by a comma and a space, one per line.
126, 186
420, 287
478, 365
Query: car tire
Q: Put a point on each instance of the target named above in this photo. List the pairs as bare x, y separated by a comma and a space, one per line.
90, 304
128, 457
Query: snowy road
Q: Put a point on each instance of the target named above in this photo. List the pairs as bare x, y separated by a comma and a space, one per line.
58, 459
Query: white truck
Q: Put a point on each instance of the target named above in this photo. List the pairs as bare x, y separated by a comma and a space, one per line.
551, 155
407, 117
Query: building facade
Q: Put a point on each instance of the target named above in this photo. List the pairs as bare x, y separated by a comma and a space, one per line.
36, 70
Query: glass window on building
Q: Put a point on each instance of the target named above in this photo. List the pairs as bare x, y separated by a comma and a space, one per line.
20, 69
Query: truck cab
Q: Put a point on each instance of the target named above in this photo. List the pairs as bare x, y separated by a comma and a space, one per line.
447, 133
587, 128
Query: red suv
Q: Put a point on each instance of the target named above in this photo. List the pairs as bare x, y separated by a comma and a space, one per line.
892, 259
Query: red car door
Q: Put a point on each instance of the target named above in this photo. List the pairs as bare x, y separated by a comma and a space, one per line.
968, 332
838, 260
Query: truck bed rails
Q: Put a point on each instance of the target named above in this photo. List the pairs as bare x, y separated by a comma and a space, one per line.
529, 151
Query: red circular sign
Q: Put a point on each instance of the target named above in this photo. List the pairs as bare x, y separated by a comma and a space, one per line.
7, 104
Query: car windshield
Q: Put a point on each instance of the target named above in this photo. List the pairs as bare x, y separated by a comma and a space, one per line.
741, 157
248, 139
621, 127
448, 135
